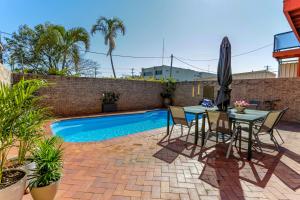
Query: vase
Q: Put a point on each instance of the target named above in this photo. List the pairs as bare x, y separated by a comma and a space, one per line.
240, 109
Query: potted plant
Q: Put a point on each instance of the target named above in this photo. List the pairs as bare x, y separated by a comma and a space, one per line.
240, 106
45, 177
13, 101
109, 100
169, 87
28, 126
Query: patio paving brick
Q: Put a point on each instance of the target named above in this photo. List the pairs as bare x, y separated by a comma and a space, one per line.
147, 166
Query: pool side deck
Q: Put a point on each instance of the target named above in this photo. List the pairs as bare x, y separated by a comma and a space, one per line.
146, 166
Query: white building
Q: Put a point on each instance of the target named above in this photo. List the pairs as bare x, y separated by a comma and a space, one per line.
179, 74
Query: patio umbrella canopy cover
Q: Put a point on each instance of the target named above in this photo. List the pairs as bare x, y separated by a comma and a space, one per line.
224, 75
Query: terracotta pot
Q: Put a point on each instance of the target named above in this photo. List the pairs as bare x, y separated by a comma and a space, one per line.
45, 193
15, 191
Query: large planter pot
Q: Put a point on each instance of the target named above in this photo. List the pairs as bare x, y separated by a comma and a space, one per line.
167, 102
28, 167
109, 107
45, 193
16, 190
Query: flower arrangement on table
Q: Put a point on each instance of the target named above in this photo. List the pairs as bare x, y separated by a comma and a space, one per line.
240, 106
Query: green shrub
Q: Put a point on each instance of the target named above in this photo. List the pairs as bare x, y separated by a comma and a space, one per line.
110, 97
48, 159
169, 87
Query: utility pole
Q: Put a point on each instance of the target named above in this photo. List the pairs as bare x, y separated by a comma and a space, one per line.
267, 67
163, 52
95, 71
171, 66
132, 72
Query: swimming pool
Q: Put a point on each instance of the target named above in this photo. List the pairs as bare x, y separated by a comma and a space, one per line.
108, 127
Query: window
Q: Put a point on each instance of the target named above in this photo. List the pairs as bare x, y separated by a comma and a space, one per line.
177, 72
158, 72
148, 74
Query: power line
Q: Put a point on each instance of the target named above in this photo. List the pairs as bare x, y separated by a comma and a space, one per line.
236, 55
190, 64
180, 59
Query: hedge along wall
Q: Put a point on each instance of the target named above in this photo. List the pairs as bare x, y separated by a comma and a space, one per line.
5, 75
71, 96
287, 90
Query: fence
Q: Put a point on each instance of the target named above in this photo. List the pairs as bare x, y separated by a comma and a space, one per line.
79, 96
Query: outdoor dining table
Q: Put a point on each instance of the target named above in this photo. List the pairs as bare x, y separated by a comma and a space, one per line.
250, 117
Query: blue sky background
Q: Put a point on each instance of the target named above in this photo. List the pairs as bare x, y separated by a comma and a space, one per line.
191, 28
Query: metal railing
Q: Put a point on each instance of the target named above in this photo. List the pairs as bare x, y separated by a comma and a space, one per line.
284, 41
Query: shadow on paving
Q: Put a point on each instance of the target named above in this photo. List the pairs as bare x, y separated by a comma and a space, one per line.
289, 126
226, 174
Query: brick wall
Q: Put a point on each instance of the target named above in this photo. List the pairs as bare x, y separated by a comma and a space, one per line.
285, 89
5, 75
79, 96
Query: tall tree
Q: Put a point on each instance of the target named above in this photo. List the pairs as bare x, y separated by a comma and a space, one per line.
47, 48
110, 29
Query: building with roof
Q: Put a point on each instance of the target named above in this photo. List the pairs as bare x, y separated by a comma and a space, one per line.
179, 74
260, 74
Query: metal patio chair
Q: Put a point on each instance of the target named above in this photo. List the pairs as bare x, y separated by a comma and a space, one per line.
279, 119
219, 122
179, 118
267, 127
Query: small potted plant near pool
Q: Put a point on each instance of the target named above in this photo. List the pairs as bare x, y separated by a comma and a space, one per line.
109, 101
240, 106
46, 176
169, 87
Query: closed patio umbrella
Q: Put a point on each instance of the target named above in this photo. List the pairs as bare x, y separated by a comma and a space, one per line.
224, 75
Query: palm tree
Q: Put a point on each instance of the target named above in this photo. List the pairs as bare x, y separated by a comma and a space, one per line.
61, 46
110, 29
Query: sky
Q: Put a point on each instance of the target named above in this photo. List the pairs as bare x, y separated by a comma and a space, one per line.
191, 29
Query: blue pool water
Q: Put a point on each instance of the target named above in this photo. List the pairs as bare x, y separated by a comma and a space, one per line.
107, 127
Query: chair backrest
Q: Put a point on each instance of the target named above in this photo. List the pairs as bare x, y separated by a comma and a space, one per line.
270, 121
218, 121
281, 115
178, 115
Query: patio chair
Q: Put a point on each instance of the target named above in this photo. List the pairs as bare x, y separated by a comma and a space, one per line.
218, 122
281, 115
266, 127
277, 122
179, 118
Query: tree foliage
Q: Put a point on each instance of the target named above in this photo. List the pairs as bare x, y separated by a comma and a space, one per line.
47, 48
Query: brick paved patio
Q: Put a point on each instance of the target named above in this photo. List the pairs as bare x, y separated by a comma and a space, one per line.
145, 166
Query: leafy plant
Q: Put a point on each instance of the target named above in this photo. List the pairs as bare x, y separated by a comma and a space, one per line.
110, 97
15, 102
48, 159
47, 47
169, 87
109, 28
28, 132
